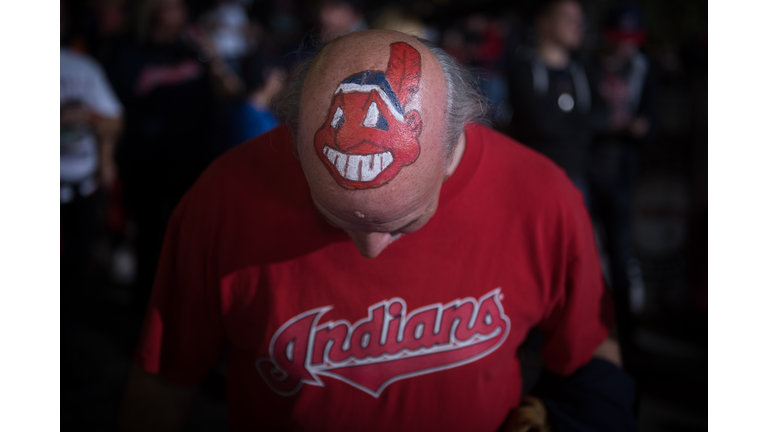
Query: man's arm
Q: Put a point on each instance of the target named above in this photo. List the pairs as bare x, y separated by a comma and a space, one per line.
151, 403
183, 333
532, 413
107, 131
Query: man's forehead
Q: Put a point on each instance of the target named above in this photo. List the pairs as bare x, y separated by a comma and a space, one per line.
375, 83
350, 159
351, 55
367, 152
372, 216
350, 103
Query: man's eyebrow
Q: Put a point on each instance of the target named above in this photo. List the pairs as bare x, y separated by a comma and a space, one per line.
401, 228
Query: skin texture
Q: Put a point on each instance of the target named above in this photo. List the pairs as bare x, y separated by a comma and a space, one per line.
374, 218
362, 138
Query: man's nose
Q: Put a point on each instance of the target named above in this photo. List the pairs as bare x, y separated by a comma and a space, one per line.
370, 244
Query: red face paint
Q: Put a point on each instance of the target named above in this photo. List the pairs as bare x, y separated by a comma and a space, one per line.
368, 137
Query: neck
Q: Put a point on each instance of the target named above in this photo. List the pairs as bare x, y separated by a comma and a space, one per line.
457, 154
554, 55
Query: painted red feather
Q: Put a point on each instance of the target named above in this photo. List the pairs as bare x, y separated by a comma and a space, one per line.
403, 71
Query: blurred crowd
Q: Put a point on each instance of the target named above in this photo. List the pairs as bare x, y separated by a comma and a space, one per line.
614, 92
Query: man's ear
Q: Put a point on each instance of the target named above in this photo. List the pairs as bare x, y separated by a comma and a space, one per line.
413, 123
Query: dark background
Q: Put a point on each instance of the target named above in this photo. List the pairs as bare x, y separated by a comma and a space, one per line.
669, 216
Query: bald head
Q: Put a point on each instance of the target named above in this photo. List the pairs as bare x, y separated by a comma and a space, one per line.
374, 133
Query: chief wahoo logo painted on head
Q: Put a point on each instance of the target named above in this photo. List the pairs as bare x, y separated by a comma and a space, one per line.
368, 137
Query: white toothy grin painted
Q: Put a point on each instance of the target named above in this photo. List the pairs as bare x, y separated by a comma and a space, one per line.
357, 167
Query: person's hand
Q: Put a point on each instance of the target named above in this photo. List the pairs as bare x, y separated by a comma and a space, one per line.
609, 350
74, 114
529, 416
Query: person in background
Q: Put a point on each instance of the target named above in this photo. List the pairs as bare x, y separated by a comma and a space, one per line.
339, 17
170, 81
394, 18
91, 120
486, 48
626, 118
251, 116
550, 94
227, 26
90, 123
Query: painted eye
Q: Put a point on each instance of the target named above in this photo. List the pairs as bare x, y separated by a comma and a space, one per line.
338, 118
374, 119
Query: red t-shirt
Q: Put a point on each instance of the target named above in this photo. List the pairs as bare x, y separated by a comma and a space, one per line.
423, 337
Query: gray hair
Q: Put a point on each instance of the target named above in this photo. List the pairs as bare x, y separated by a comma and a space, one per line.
465, 102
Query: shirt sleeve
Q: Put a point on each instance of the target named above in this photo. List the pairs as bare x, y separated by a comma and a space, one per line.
581, 312
182, 336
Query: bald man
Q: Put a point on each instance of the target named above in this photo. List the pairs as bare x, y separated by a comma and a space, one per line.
372, 265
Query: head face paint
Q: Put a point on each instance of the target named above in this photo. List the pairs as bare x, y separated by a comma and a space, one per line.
368, 138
